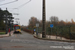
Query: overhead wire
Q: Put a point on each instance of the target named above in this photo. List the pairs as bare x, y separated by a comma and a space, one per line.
17, 7
21, 6
8, 2
24, 4
2, 0
15, 1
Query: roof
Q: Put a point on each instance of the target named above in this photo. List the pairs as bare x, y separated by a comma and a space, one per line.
16, 25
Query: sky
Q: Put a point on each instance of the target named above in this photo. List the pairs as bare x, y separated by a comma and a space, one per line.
63, 9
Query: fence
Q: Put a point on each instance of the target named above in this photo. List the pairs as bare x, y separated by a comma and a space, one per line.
2, 29
30, 31
67, 32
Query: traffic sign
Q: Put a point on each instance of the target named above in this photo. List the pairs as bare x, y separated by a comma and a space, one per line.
37, 25
51, 25
34, 30
27, 28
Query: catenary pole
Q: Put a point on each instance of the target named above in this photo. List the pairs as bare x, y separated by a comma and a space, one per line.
43, 21
6, 22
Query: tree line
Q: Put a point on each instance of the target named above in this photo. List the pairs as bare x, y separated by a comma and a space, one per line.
53, 20
3, 14
61, 28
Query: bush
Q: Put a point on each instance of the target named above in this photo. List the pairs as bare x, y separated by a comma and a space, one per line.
29, 31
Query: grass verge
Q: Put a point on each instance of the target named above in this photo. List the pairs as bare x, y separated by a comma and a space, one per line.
2, 33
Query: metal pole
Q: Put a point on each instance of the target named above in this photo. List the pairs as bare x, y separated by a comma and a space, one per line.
51, 32
9, 25
37, 31
70, 32
61, 32
10, 22
43, 21
6, 22
56, 33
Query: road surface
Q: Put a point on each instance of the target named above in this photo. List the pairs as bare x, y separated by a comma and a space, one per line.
26, 41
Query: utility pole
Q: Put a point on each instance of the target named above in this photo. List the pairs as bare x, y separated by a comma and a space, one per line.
6, 22
44, 21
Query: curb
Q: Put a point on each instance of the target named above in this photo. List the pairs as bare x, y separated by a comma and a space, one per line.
6, 35
55, 40
70, 41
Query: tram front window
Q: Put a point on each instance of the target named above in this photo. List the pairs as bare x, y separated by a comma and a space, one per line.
17, 27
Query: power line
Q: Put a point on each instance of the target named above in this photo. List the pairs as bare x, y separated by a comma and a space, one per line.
24, 4
17, 7
2, 0
8, 3
15, 1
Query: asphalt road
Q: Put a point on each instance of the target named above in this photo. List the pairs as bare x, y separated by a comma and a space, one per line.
26, 41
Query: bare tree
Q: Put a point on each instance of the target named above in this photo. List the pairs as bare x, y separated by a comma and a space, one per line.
54, 20
33, 21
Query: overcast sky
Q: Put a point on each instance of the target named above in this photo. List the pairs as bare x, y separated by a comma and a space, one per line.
63, 9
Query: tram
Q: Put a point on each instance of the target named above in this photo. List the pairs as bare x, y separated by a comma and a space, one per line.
17, 29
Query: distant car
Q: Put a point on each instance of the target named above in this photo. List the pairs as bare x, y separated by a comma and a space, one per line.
17, 29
